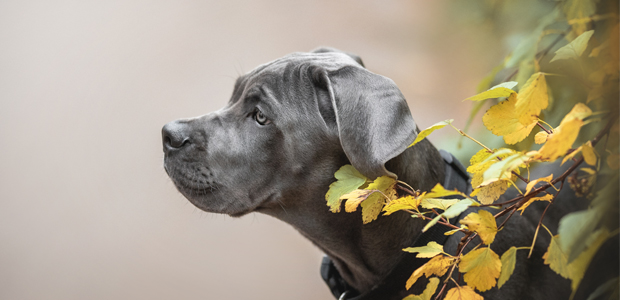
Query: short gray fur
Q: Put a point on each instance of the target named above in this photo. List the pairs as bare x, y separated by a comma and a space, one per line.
326, 110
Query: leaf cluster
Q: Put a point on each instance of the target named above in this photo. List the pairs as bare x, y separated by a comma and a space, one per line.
568, 89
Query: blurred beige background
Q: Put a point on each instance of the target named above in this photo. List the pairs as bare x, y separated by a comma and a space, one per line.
86, 209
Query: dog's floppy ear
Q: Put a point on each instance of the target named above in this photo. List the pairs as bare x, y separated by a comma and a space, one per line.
373, 119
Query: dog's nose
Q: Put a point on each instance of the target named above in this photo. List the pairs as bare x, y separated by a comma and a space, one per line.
174, 136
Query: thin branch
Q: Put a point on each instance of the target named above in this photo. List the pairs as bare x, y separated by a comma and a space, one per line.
461, 132
543, 128
442, 218
506, 220
430, 219
542, 217
411, 190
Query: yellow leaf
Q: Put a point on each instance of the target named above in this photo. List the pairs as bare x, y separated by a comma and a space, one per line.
462, 293
579, 9
439, 191
430, 289
348, 179
453, 231
571, 155
501, 119
481, 267
503, 169
354, 198
483, 223
372, 206
562, 140
597, 50
477, 167
580, 111
556, 258
442, 204
509, 259
541, 137
588, 170
613, 161
438, 265
430, 250
407, 202
579, 266
532, 183
482, 160
424, 133
479, 157
589, 154
532, 98
501, 90
547, 197
489, 193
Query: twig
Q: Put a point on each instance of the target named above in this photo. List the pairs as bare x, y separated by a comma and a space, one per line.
471, 138
408, 191
430, 219
543, 128
442, 218
506, 220
542, 217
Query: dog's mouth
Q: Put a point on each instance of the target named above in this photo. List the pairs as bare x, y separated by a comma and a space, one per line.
191, 180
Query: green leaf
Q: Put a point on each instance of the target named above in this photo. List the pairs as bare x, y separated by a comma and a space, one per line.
575, 48
611, 287
424, 133
574, 228
348, 179
431, 223
502, 169
528, 46
579, 266
453, 211
430, 250
509, 259
459, 207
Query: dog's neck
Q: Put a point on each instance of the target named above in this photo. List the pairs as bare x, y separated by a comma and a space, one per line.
365, 253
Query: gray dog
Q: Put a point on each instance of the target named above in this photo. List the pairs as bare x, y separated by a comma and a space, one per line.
293, 122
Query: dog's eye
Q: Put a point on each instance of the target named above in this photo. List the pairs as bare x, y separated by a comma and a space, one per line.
260, 118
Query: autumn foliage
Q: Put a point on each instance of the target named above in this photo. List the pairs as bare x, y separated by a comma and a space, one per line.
560, 92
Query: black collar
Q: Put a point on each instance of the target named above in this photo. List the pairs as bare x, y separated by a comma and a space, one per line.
456, 178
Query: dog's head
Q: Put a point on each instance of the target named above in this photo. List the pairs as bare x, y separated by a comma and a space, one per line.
289, 125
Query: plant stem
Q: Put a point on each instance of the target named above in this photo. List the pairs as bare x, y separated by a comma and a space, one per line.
430, 219
543, 128
471, 138
542, 217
